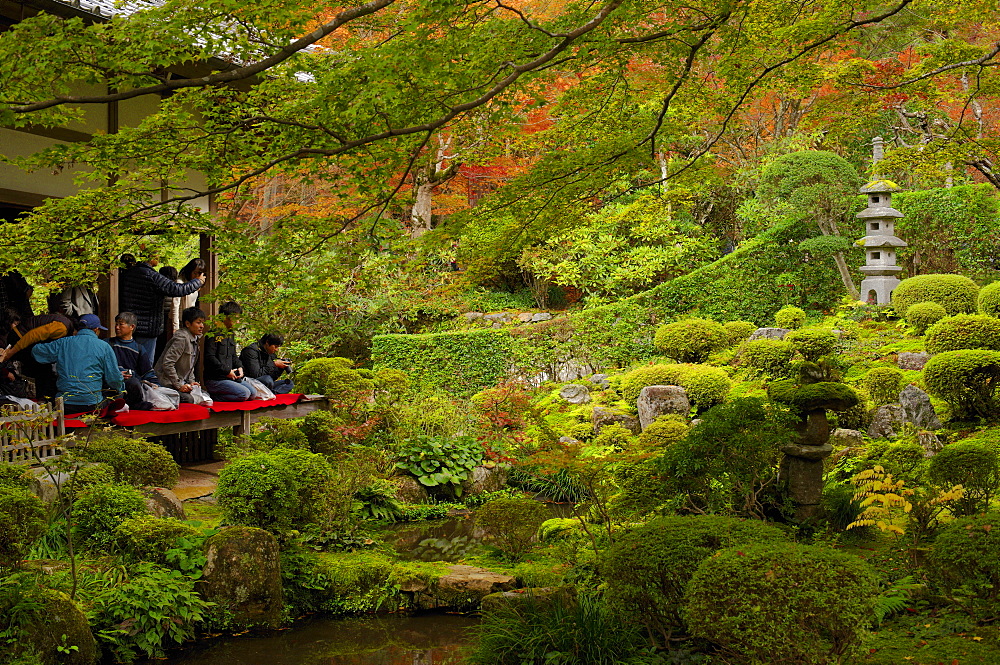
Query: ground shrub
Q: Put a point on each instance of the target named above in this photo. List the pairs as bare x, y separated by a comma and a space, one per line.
14, 476
135, 460
738, 331
614, 436
335, 378
904, 461
956, 293
975, 467
812, 343
648, 567
882, 385
769, 357
22, 522
966, 553
640, 490
322, 430
967, 380
782, 603
99, 511
790, 317
512, 522
147, 538
271, 433
923, 315
663, 431
964, 331
989, 299
259, 491
560, 630
690, 340
313, 479
439, 462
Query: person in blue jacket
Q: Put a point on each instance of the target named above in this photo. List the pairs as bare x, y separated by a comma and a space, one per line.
85, 365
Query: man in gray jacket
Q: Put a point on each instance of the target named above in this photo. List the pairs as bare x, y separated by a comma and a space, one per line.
180, 356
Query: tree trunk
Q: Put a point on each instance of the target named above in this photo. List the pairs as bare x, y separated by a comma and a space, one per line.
845, 276
420, 217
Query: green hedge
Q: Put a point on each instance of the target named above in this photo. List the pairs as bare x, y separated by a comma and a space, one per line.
462, 362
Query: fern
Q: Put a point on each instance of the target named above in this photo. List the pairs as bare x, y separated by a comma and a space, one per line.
894, 599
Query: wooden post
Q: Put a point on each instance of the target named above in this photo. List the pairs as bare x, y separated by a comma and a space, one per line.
107, 295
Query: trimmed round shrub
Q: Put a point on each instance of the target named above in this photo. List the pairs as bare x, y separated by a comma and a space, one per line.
690, 340
648, 567
767, 356
956, 293
790, 317
260, 491
738, 331
903, 460
782, 603
663, 431
511, 522
989, 299
22, 522
335, 378
923, 315
613, 436
968, 380
100, 510
975, 467
705, 385
147, 538
313, 478
581, 431
965, 331
813, 343
135, 460
966, 553
559, 528
882, 385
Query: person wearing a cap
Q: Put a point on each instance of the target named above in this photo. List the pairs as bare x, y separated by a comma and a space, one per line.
84, 366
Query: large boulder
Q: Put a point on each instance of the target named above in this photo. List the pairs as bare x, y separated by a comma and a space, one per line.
486, 479
601, 417
534, 597
885, 421
575, 393
656, 401
461, 588
768, 333
917, 408
600, 380
161, 502
906, 360
408, 490
61, 623
242, 576
846, 438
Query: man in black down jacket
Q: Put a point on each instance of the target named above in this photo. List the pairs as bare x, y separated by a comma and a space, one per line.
141, 290
260, 362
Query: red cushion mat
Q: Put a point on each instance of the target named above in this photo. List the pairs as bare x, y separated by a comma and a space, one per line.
279, 400
183, 413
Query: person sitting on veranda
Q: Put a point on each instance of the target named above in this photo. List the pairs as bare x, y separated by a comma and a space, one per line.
133, 364
260, 362
21, 334
84, 366
223, 370
176, 366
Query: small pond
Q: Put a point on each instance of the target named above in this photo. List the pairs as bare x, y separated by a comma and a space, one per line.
425, 639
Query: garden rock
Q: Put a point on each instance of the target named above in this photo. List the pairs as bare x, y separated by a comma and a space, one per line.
161, 502
472, 316
486, 479
408, 490
47, 486
538, 317
242, 575
768, 333
525, 317
906, 360
917, 408
499, 317
885, 420
59, 617
575, 393
846, 438
600, 380
930, 442
462, 587
656, 401
602, 417
536, 596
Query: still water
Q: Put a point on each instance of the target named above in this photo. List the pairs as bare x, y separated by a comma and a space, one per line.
428, 639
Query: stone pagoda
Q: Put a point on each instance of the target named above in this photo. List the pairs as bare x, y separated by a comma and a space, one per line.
880, 242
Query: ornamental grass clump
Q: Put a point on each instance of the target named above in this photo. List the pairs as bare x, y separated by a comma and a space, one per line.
964, 331
648, 567
923, 315
967, 380
787, 603
691, 340
955, 293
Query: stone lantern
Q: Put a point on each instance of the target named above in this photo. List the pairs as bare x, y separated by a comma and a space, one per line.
880, 242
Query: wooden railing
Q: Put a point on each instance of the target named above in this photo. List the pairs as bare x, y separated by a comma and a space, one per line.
35, 436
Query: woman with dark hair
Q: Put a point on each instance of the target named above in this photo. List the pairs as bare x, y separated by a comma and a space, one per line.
194, 266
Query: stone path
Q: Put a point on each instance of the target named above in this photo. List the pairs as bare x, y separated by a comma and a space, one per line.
198, 480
